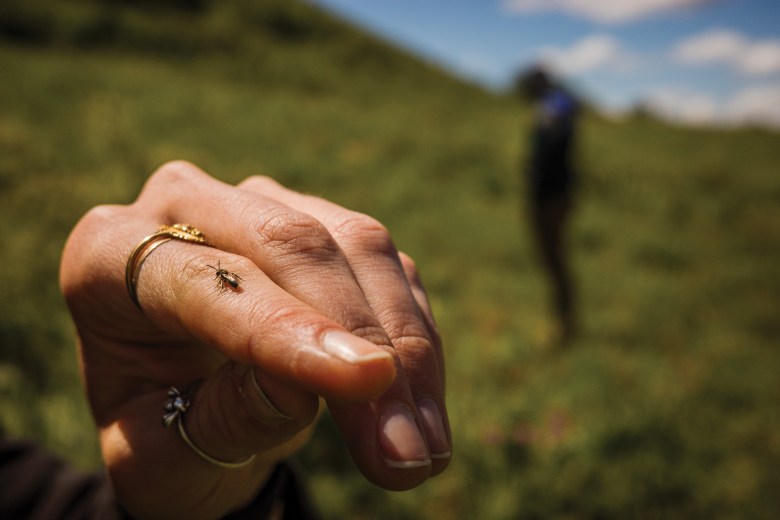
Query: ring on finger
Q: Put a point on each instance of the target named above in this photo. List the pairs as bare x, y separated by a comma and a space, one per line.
144, 248
177, 405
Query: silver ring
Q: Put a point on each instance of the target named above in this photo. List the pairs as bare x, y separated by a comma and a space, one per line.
175, 407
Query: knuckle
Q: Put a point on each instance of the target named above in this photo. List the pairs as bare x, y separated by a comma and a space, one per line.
279, 316
365, 231
296, 233
172, 173
273, 316
408, 333
100, 215
408, 264
376, 334
414, 343
175, 171
258, 183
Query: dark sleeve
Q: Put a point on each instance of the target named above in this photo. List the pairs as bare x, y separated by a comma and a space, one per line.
36, 485
284, 494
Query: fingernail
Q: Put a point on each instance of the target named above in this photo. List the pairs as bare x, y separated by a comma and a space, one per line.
400, 442
433, 424
266, 410
351, 348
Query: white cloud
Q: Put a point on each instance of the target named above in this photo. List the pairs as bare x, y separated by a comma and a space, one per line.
761, 58
714, 46
754, 105
723, 46
595, 52
602, 11
684, 106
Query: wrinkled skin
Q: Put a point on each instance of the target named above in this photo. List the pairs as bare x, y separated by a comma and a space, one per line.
326, 309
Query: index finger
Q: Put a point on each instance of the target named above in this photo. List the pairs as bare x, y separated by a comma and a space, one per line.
260, 324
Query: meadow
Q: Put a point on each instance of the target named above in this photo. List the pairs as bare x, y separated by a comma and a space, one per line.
667, 404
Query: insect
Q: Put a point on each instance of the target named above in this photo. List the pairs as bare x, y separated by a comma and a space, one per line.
225, 277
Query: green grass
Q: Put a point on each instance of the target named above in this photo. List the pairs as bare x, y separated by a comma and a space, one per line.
666, 406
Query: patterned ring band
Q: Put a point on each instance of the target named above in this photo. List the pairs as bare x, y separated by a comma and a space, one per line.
164, 233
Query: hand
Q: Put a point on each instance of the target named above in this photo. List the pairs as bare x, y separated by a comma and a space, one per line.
324, 307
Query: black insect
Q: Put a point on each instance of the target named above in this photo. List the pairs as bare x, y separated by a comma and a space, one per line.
225, 277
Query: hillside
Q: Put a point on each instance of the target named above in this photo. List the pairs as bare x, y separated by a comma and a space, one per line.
666, 405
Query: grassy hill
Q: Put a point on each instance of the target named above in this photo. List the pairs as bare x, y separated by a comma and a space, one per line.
667, 405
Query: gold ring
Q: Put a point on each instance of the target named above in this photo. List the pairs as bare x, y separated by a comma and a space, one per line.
164, 233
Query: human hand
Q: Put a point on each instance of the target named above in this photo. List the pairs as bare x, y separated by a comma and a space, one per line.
324, 306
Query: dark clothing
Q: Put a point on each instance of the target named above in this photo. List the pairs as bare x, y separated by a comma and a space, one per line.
551, 177
35, 485
550, 168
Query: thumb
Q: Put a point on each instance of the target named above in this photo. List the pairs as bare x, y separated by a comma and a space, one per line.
239, 411
234, 418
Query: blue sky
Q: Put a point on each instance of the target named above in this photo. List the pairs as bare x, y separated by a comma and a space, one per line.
696, 61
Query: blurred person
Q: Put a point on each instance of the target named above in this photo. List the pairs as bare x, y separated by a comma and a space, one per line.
550, 178
206, 352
